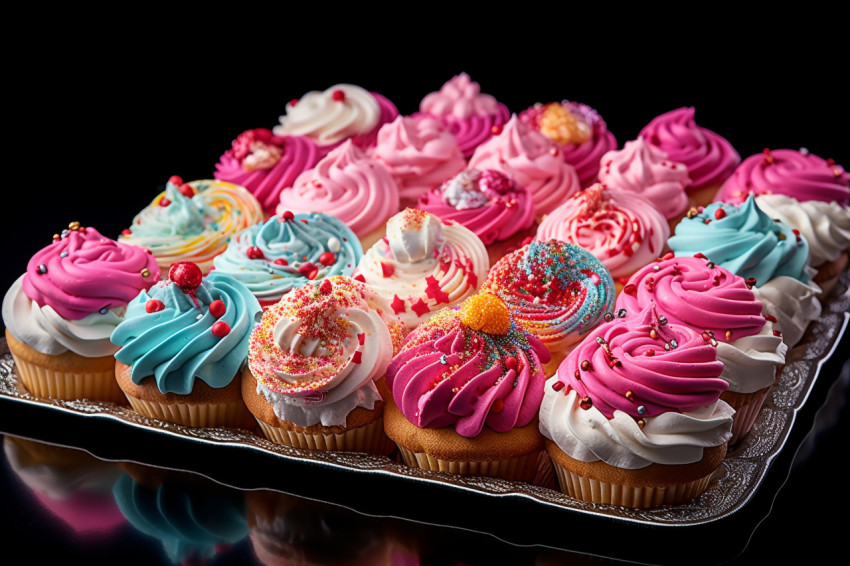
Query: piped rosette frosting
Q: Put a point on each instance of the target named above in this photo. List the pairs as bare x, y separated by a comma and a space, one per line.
644, 169
424, 264
557, 291
532, 160
620, 228
469, 367
188, 327
579, 130
265, 163
487, 202
419, 152
336, 114
472, 116
638, 391
75, 291
287, 251
193, 221
347, 184
317, 353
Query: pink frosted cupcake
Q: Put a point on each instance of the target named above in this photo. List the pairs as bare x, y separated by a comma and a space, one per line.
579, 131
489, 203
624, 231
265, 163
419, 152
470, 114
709, 157
339, 113
350, 185
533, 161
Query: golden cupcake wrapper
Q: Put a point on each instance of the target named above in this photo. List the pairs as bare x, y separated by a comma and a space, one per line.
369, 438
521, 468
55, 384
230, 415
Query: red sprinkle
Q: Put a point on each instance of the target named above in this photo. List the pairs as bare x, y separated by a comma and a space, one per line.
719, 213
327, 258
255, 253
360, 277
305, 268
217, 308
338, 95
220, 329
585, 403
287, 215
630, 289
281, 261
154, 305
497, 406
496, 129
164, 202
558, 385
186, 190
326, 288
771, 318
357, 358
186, 275
510, 362
387, 269
175, 180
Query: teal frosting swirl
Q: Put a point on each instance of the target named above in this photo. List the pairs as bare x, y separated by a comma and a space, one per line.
178, 343
277, 255
184, 216
745, 240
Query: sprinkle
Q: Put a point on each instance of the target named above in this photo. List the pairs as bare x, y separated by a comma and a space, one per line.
217, 308
443, 360
254, 252
692, 212
42, 269
497, 407
306, 268
146, 272
361, 338
751, 282
719, 213
280, 261
674, 343
653, 333
577, 375
287, 215
387, 269
641, 423
104, 310
357, 358
220, 329
420, 307
154, 305
558, 385
649, 353
585, 403
777, 333
630, 396
511, 362
608, 317
662, 320
630, 289
641, 410
360, 277
728, 335
397, 304
327, 258
326, 288
334, 244
585, 365
621, 313
771, 318
64, 253
338, 95
164, 202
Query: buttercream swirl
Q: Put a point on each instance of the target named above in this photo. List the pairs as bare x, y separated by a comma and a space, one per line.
556, 290
419, 152
795, 305
744, 240
193, 221
620, 228
317, 353
579, 131
347, 184
283, 252
796, 173
424, 264
532, 160
649, 393
644, 169
450, 374
178, 332
708, 156
487, 202
265, 163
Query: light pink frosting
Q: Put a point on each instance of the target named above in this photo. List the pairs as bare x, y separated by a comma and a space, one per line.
621, 229
419, 152
645, 169
487, 202
346, 184
533, 161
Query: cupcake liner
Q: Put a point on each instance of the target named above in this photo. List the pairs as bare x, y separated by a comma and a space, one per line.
521, 468
369, 438
229, 415
57, 384
747, 407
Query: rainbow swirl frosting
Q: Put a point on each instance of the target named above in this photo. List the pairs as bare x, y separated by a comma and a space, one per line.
467, 367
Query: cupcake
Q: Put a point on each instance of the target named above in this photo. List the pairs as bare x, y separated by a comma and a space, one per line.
192, 221
419, 152
624, 231
336, 114
644, 169
182, 345
423, 265
464, 391
721, 306
265, 163
60, 313
807, 192
556, 290
532, 160
314, 365
287, 251
579, 131
472, 116
634, 416
349, 185
489, 203
770, 255
708, 156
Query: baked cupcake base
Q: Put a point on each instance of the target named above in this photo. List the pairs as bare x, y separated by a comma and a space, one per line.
828, 273
66, 376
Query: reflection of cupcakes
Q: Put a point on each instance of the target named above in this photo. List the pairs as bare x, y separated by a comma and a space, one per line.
265, 163
314, 363
350, 185
464, 391
192, 221
286, 251
633, 416
60, 313
182, 346
579, 131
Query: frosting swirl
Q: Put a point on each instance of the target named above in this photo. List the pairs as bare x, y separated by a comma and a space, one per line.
283, 252
487, 202
347, 184
317, 353
532, 160
621, 229
798, 174
187, 327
